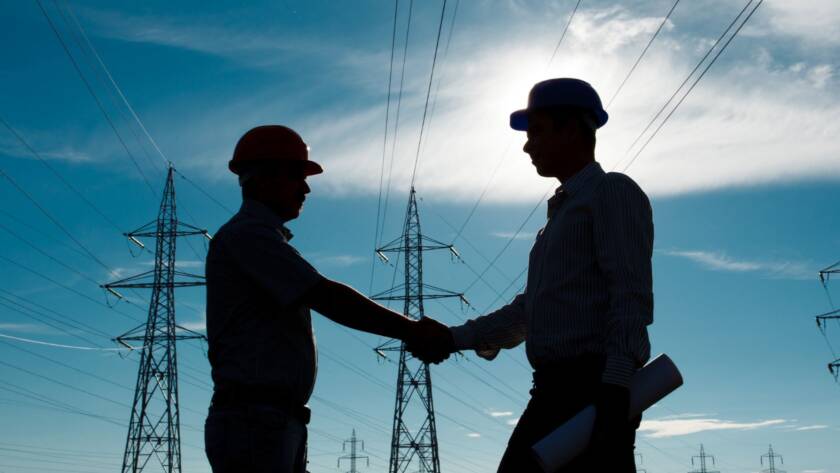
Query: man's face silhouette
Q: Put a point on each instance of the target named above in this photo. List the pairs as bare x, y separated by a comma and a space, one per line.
555, 145
284, 192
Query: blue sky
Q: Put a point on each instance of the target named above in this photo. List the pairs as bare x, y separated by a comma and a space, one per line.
743, 180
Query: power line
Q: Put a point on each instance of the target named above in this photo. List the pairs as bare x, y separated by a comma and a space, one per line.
384, 146
428, 94
396, 120
642, 55
696, 81
95, 97
563, 35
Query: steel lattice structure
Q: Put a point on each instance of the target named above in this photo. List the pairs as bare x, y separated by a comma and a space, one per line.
154, 428
822, 319
417, 446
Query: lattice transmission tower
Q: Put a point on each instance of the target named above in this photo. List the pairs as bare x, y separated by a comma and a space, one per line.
771, 461
823, 319
702, 461
416, 446
154, 433
354, 455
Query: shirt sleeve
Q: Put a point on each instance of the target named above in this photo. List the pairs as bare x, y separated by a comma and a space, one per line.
623, 235
488, 334
267, 258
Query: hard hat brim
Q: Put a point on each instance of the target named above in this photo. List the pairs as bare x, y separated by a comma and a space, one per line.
519, 119
310, 168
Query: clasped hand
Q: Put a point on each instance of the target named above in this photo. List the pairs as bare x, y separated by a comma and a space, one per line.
430, 341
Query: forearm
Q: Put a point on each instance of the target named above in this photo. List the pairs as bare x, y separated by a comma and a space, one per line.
346, 306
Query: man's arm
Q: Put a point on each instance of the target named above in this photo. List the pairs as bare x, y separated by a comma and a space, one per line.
623, 235
346, 306
488, 334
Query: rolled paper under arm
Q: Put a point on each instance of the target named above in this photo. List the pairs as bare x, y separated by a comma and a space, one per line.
650, 384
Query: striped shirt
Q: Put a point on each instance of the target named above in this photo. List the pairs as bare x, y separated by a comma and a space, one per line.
589, 288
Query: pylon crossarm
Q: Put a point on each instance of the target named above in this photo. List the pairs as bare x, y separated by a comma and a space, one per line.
188, 275
391, 246
190, 334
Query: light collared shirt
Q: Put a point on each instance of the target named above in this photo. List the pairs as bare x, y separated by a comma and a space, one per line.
259, 333
589, 288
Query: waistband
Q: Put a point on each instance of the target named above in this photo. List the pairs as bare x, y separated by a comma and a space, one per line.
244, 395
578, 371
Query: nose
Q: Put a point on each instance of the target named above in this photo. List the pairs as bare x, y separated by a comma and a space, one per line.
306, 188
527, 147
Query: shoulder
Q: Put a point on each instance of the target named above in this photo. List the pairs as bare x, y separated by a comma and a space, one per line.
615, 185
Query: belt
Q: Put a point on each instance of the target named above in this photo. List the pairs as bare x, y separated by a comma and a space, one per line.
561, 374
245, 395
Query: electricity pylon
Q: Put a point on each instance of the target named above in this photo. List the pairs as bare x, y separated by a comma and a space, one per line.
353, 456
414, 381
771, 461
154, 431
702, 460
822, 319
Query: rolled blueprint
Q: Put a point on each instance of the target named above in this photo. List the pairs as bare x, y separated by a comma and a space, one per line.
650, 384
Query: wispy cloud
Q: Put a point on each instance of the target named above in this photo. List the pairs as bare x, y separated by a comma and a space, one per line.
514, 235
660, 428
24, 328
735, 130
719, 261
500, 413
474, 435
512, 421
338, 260
811, 427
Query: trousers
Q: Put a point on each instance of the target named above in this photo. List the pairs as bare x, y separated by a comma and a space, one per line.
559, 392
254, 438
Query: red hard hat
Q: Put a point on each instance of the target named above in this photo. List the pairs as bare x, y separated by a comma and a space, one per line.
273, 146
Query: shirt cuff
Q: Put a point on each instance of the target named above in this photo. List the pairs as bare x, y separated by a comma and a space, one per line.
464, 337
619, 370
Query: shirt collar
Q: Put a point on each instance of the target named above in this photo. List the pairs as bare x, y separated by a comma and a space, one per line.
261, 211
574, 184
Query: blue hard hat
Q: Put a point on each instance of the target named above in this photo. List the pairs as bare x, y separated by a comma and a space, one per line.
562, 92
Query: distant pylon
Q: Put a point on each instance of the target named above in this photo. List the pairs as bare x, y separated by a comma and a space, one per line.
353, 456
154, 431
822, 319
771, 461
702, 460
416, 445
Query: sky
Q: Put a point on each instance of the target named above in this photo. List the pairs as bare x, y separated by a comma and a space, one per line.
742, 177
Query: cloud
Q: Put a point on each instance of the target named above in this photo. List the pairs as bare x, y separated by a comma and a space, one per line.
514, 235
512, 422
199, 325
660, 428
232, 39
474, 435
500, 413
687, 415
738, 128
338, 260
811, 427
719, 261
815, 21
813, 471
24, 328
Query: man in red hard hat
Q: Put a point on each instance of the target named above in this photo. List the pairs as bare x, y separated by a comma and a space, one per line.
588, 301
259, 295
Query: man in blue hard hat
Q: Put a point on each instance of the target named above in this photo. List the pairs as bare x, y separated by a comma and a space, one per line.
588, 301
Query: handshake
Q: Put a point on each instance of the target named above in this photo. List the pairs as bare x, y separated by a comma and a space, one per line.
430, 341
